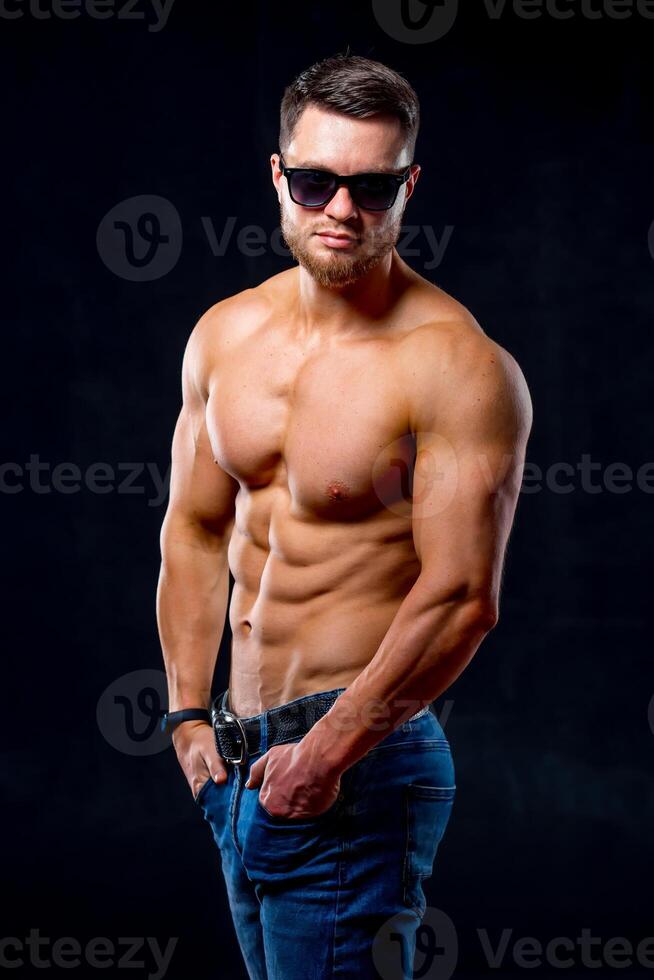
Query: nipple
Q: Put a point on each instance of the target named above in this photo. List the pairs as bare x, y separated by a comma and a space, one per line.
337, 490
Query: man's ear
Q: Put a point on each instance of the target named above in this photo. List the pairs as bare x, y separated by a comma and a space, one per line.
412, 181
276, 173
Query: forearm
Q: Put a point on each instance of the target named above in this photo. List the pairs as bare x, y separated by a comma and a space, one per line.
427, 646
192, 598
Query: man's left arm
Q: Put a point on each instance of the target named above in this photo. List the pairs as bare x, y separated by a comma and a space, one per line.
471, 414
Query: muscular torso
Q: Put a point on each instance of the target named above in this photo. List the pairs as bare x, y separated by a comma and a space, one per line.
316, 431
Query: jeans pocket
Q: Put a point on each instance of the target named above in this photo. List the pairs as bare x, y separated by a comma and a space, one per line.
200, 793
427, 812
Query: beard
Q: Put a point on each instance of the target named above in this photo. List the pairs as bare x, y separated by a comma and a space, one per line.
332, 268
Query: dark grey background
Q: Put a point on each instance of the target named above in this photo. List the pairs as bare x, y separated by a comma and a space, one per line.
536, 147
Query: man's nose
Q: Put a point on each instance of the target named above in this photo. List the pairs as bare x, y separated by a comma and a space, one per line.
341, 205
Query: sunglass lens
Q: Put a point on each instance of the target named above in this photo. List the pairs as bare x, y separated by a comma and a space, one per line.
374, 193
311, 188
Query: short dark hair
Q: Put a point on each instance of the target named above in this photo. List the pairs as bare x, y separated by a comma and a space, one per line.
355, 86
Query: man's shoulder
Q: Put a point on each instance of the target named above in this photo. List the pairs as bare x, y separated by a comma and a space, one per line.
439, 328
227, 324
231, 320
448, 357
443, 332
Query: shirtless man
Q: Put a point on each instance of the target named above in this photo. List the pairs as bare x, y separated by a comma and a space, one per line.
351, 446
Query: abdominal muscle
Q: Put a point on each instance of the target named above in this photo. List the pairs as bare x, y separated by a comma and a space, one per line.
311, 603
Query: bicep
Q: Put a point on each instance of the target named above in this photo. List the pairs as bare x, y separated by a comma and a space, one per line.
202, 494
470, 442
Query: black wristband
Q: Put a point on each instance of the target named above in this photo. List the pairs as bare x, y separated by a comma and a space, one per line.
173, 718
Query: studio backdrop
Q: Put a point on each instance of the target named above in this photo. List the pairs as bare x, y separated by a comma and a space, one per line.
137, 193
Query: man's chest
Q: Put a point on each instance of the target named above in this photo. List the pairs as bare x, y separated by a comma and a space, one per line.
329, 425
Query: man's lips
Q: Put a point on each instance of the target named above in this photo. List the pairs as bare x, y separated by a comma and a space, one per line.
336, 239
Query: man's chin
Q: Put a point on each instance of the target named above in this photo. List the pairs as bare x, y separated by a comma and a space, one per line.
333, 271
329, 274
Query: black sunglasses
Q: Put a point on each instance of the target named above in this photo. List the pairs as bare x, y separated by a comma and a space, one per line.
314, 188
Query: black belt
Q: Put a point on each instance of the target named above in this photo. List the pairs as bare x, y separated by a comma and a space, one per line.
237, 738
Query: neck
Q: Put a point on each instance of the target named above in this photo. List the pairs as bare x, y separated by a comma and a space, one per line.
370, 297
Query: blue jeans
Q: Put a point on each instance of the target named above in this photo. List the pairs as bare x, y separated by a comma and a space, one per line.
340, 894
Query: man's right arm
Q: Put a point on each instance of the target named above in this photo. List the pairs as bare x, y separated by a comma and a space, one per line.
193, 586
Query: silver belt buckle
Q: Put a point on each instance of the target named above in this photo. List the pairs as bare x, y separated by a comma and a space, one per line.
232, 719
